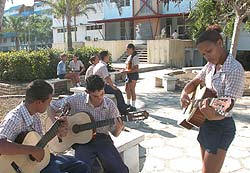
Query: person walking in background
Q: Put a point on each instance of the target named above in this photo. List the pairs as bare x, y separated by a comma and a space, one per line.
62, 72
224, 75
93, 61
132, 67
175, 34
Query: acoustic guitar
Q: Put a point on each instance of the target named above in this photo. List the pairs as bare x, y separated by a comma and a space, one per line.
192, 116
82, 128
26, 163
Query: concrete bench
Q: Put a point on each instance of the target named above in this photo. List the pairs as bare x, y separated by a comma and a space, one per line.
166, 81
127, 143
60, 86
82, 89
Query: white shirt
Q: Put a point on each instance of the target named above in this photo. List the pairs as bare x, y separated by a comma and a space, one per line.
175, 35
76, 66
101, 70
89, 71
135, 60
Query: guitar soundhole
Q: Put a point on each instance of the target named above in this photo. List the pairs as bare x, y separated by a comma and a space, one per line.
76, 128
32, 158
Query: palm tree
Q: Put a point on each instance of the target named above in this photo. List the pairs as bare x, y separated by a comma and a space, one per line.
15, 24
2, 5
58, 8
80, 8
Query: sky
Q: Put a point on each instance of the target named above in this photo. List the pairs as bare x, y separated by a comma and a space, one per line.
17, 2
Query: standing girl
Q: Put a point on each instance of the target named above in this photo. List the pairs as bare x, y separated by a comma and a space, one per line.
224, 75
132, 67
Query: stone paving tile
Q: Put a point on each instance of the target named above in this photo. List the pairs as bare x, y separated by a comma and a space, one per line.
168, 148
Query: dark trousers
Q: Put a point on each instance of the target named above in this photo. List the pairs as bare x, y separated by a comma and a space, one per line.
65, 164
101, 147
121, 105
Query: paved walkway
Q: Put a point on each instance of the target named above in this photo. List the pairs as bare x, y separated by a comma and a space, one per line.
168, 148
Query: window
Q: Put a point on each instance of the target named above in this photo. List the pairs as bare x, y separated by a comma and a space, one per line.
59, 30
5, 40
121, 3
127, 3
94, 27
0, 40
12, 39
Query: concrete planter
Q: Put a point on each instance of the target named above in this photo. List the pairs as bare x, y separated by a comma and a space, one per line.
169, 82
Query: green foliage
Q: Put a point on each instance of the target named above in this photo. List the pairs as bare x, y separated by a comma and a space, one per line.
25, 66
208, 12
84, 53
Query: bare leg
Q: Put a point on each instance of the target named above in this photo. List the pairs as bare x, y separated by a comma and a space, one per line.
128, 92
212, 163
132, 89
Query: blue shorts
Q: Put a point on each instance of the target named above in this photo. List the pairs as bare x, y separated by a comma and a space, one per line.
217, 134
132, 76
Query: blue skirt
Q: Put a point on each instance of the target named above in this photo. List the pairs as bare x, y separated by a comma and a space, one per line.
217, 134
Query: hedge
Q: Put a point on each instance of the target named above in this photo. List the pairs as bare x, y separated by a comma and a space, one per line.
25, 66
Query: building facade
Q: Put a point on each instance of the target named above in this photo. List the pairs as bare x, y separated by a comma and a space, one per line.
7, 39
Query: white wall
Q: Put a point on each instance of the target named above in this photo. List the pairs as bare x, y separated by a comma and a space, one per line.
81, 23
244, 41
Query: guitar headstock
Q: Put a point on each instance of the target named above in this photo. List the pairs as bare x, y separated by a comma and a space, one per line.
221, 105
136, 116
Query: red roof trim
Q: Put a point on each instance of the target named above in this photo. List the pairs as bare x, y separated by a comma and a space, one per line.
138, 18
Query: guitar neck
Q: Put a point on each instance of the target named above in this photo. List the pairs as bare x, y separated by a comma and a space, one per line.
49, 135
97, 124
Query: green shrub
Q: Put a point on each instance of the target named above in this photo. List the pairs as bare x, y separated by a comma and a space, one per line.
25, 66
84, 54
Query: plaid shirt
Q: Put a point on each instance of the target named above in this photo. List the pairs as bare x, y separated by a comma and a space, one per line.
80, 102
101, 70
228, 81
19, 120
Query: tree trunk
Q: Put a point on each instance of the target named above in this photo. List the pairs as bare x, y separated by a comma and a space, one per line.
63, 30
75, 27
68, 18
17, 43
236, 34
2, 5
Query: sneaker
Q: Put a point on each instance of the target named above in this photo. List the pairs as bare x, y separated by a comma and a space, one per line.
132, 109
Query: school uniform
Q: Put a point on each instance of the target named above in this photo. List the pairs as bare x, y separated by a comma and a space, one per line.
102, 145
19, 120
135, 61
226, 81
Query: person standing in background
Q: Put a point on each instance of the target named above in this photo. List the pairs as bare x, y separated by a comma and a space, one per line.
132, 67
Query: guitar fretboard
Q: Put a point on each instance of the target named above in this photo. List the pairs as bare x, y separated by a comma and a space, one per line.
97, 124
49, 135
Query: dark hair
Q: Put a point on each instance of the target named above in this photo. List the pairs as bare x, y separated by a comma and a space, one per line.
38, 90
92, 59
103, 54
212, 34
132, 46
94, 83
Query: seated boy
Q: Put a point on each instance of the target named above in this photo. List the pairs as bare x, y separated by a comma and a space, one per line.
25, 117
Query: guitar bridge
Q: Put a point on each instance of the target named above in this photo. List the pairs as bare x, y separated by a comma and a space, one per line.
16, 168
